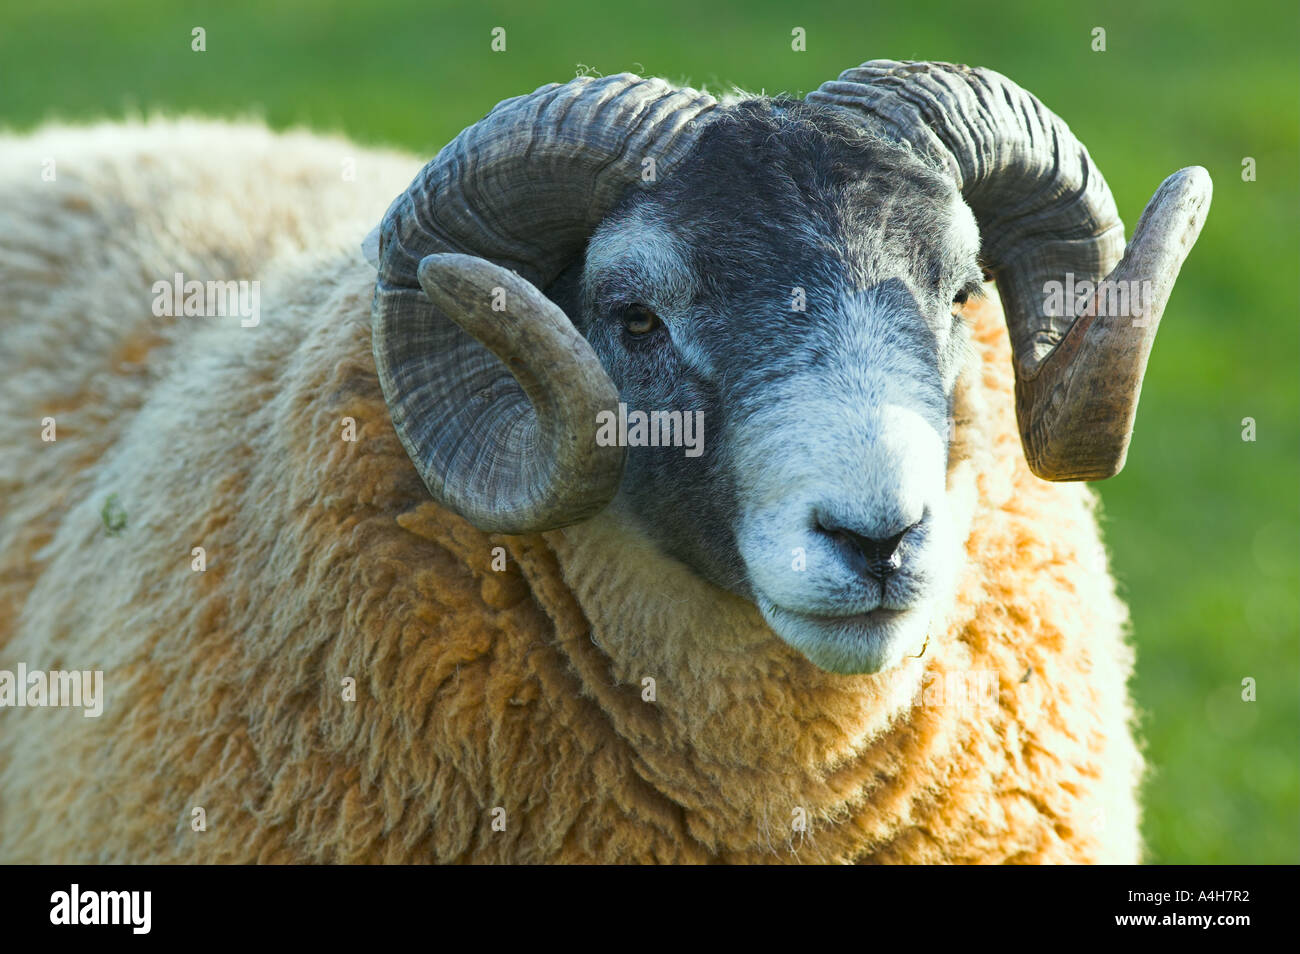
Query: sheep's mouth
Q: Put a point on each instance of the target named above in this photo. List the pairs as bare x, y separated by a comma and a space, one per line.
851, 644
875, 617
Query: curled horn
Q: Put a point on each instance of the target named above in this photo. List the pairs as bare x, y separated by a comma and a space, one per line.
1045, 213
492, 391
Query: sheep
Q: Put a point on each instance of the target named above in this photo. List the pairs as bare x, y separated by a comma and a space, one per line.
375, 592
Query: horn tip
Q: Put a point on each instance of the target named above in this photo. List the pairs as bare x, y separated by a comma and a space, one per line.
1191, 185
1102, 468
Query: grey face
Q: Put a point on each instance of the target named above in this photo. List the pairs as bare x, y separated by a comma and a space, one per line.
793, 280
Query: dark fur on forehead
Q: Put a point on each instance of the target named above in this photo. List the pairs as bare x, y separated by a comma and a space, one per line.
776, 187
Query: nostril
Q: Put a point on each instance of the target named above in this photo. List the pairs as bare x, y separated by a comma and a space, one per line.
881, 550
877, 556
881, 554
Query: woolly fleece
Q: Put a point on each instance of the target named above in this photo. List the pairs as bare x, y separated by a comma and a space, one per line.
475, 689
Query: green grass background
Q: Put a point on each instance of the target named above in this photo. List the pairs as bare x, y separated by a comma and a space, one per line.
1203, 527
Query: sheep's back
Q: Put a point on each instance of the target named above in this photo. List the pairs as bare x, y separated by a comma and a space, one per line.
92, 217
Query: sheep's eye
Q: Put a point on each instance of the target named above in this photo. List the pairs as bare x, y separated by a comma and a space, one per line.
640, 320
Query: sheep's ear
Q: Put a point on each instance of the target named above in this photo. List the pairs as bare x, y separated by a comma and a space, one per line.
370, 247
566, 291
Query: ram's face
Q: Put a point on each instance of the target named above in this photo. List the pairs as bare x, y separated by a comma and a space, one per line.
789, 278
795, 282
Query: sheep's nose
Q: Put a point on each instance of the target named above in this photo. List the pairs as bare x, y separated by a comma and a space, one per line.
877, 557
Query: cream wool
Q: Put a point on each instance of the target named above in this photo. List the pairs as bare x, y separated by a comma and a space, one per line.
477, 690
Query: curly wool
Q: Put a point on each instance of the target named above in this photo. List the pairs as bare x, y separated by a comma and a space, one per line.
500, 714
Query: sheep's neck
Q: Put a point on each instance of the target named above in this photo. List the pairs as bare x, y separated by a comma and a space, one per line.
705, 704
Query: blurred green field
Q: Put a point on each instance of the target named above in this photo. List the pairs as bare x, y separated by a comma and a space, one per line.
1204, 527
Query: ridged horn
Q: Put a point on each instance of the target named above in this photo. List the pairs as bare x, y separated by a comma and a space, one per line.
492, 391
1045, 215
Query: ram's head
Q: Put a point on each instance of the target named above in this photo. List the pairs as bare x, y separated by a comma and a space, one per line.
789, 269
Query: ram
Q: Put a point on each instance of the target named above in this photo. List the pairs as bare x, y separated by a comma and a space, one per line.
377, 589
